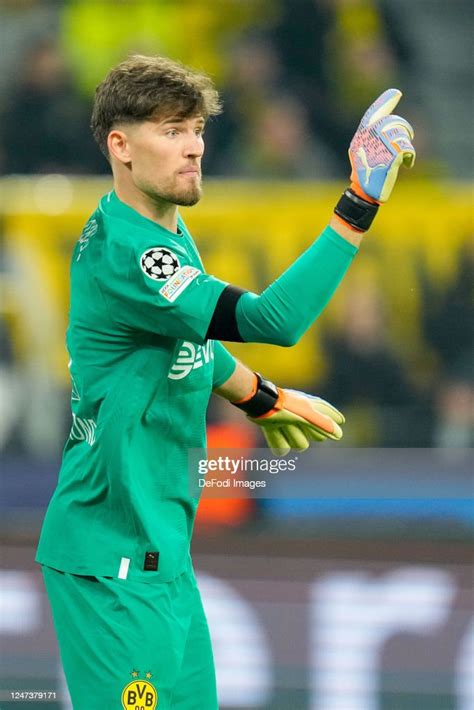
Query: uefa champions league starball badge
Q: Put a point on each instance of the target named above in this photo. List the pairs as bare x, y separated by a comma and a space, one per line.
159, 263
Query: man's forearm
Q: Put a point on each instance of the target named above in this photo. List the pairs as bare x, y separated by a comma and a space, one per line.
354, 238
239, 385
287, 308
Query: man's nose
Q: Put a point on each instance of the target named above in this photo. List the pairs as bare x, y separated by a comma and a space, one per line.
194, 146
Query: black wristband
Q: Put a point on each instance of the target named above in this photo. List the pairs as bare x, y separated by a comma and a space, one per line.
355, 211
262, 401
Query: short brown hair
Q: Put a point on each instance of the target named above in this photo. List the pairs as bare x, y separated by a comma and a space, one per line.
141, 88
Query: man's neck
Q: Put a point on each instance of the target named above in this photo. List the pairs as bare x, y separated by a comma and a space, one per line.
163, 213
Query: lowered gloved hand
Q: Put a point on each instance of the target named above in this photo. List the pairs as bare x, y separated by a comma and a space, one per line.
290, 419
298, 419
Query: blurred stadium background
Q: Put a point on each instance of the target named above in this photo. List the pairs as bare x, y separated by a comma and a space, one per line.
361, 606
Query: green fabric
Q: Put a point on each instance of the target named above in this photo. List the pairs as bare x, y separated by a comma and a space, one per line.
142, 374
287, 308
109, 628
141, 386
224, 364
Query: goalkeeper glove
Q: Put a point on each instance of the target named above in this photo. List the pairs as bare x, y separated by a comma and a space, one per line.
290, 419
381, 144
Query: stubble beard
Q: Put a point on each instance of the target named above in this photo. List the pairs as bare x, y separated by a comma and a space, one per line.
173, 194
189, 197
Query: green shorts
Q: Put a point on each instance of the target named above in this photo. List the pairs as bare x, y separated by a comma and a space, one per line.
133, 645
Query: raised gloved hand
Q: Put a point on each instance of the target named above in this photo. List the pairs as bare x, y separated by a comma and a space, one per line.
381, 144
290, 419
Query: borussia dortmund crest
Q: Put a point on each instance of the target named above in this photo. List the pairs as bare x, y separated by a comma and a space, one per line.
139, 693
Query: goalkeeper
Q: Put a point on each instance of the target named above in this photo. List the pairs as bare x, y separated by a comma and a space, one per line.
145, 332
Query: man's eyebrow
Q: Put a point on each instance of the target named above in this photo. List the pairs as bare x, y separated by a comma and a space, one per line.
180, 119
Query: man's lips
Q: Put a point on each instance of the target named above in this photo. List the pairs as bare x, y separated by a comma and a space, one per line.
190, 171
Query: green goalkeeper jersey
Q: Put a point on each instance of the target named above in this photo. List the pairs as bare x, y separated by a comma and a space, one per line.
142, 374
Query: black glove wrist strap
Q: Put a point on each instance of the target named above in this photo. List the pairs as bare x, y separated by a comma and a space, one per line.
358, 213
262, 401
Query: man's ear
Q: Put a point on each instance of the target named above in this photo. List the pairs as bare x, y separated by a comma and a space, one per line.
119, 146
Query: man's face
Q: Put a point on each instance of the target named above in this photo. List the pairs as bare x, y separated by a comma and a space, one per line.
165, 158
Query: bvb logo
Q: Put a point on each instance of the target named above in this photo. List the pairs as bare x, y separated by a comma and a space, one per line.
139, 695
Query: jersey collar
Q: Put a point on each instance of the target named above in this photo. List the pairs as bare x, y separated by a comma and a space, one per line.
112, 206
